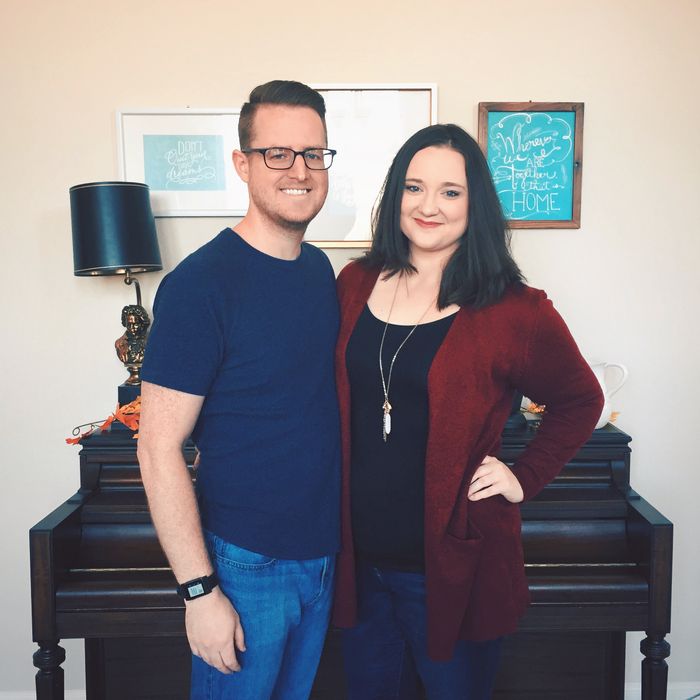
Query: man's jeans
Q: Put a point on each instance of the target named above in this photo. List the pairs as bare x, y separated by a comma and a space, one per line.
388, 647
284, 606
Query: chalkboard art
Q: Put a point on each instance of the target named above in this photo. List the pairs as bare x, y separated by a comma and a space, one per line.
534, 152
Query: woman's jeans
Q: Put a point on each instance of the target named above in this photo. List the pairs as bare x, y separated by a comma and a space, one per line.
386, 651
284, 606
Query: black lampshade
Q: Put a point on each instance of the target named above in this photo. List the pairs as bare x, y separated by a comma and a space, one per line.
113, 229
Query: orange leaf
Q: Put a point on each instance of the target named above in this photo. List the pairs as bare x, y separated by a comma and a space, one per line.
132, 407
131, 421
107, 423
128, 414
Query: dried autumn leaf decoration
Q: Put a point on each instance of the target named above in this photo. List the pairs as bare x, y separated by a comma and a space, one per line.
128, 414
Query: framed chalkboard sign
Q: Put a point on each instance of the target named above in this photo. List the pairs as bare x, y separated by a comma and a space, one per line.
534, 151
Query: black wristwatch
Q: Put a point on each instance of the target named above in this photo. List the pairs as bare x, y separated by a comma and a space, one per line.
197, 587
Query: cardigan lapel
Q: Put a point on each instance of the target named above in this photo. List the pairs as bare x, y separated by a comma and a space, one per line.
452, 431
353, 298
452, 544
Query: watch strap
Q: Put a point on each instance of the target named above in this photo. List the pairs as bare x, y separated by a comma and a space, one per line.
197, 587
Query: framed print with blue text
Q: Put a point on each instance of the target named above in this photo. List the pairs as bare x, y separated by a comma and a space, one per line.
184, 156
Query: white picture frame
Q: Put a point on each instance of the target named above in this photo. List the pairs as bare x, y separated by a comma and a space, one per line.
184, 155
367, 123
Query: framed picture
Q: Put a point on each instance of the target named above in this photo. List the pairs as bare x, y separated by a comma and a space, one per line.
366, 125
184, 155
535, 151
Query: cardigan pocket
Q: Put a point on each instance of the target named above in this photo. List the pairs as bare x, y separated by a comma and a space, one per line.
459, 559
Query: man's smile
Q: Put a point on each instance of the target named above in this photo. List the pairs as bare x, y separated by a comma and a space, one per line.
295, 191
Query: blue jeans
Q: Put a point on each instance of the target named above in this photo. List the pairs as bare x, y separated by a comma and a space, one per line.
387, 650
284, 606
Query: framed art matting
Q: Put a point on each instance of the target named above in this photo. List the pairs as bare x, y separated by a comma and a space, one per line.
366, 125
535, 151
184, 155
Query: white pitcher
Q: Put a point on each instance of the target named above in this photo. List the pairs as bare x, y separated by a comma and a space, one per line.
599, 369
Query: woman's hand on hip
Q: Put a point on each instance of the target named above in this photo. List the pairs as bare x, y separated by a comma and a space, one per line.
492, 478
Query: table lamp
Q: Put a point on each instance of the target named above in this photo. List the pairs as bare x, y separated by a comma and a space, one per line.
114, 233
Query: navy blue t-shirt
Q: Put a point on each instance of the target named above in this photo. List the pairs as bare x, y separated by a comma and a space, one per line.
255, 335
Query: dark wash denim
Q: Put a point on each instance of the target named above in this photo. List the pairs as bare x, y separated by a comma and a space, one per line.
284, 607
386, 651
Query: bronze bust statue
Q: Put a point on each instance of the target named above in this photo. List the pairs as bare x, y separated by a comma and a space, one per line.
131, 344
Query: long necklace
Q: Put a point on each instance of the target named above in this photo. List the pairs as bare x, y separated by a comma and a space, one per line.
386, 383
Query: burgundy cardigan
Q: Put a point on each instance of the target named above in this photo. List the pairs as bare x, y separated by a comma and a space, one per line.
475, 577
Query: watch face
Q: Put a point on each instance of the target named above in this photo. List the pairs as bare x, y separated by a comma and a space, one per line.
195, 590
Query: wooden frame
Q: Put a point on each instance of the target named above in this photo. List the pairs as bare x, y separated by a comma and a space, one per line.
537, 174
367, 124
184, 155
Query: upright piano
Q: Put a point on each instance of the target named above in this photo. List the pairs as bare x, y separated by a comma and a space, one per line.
598, 560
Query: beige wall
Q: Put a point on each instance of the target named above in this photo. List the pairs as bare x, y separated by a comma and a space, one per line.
625, 282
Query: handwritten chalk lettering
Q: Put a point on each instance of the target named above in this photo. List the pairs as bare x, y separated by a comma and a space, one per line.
188, 164
527, 203
182, 162
530, 157
517, 147
184, 147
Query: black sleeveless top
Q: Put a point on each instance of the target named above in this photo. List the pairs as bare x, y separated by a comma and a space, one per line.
387, 478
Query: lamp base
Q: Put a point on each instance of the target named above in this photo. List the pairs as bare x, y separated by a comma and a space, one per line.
127, 393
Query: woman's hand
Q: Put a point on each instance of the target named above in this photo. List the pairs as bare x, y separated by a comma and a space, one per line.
491, 478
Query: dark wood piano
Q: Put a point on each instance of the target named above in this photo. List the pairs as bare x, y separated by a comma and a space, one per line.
598, 559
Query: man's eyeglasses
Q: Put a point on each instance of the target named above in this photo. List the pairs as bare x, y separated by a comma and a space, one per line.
278, 158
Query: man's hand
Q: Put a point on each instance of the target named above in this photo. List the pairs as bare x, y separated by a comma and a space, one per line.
214, 631
492, 477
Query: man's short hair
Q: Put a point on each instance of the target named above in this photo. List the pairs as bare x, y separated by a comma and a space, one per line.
278, 92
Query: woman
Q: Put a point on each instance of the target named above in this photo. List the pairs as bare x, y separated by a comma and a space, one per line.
437, 333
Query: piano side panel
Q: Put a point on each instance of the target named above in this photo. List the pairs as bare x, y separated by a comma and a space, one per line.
650, 536
53, 546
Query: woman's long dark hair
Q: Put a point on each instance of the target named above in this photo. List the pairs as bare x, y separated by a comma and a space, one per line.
482, 267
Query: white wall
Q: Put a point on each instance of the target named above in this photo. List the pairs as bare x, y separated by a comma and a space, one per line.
625, 281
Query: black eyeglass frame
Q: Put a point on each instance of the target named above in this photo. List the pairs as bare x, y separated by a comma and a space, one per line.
263, 152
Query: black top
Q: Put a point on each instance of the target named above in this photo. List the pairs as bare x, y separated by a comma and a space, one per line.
387, 478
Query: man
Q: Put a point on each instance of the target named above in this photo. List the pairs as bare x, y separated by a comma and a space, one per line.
241, 358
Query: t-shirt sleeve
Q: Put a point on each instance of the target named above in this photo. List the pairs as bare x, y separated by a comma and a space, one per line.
186, 345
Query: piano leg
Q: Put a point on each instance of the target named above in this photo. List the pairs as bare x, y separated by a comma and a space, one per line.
654, 667
49, 678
